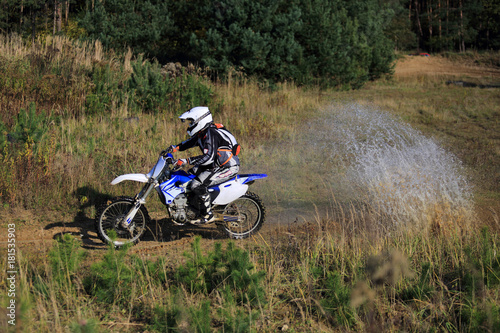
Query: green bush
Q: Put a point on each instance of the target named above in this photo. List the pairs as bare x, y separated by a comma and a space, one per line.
15, 76
219, 269
60, 279
200, 317
106, 90
85, 326
29, 126
422, 289
235, 318
190, 91
26, 156
110, 280
65, 259
165, 318
3, 136
335, 298
147, 87
151, 91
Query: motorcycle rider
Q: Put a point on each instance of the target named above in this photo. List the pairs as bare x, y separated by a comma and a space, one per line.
217, 163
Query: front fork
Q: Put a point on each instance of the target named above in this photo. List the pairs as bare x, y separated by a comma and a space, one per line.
140, 199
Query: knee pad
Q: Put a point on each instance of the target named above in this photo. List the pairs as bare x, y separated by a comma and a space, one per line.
200, 190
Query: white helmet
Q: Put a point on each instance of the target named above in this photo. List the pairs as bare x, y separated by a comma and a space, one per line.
199, 118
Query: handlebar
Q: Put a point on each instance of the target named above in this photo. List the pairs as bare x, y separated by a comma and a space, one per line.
170, 160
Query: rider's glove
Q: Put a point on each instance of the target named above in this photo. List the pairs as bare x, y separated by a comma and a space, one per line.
171, 149
180, 162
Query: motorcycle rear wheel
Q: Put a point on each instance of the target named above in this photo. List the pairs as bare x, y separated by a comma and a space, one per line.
243, 217
109, 219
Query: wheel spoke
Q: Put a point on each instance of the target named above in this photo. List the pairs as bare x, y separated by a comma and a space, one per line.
243, 216
111, 219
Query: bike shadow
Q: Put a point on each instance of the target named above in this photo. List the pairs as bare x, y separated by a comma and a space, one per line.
163, 230
158, 230
82, 226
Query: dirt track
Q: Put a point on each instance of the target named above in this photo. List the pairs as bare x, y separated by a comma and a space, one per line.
35, 234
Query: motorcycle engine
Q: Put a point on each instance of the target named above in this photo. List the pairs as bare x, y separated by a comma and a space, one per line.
179, 208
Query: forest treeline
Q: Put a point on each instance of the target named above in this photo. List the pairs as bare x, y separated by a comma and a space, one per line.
340, 43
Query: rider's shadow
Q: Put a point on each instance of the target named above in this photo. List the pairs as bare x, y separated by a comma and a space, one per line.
88, 198
158, 230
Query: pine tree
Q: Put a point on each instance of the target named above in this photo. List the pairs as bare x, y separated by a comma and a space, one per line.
398, 28
257, 37
324, 53
373, 20
119, 24
343, 41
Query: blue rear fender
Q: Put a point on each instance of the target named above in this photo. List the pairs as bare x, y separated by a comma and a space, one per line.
250, 178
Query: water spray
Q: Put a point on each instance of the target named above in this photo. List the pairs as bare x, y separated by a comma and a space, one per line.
406, 178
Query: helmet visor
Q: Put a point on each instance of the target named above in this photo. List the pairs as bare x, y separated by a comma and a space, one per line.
191, 121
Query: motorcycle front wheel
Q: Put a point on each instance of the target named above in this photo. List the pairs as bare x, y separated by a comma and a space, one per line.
243, 217
109, 222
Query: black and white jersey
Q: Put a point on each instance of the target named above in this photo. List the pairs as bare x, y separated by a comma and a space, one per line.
218, 146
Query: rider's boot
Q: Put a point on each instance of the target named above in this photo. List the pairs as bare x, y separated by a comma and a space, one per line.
206, 208
206, 214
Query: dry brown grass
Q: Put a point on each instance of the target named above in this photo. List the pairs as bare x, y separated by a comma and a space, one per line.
410, 67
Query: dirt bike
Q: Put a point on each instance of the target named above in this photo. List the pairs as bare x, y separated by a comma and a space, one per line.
238, 213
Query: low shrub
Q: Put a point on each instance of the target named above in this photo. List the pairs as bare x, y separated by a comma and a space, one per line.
230, 268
